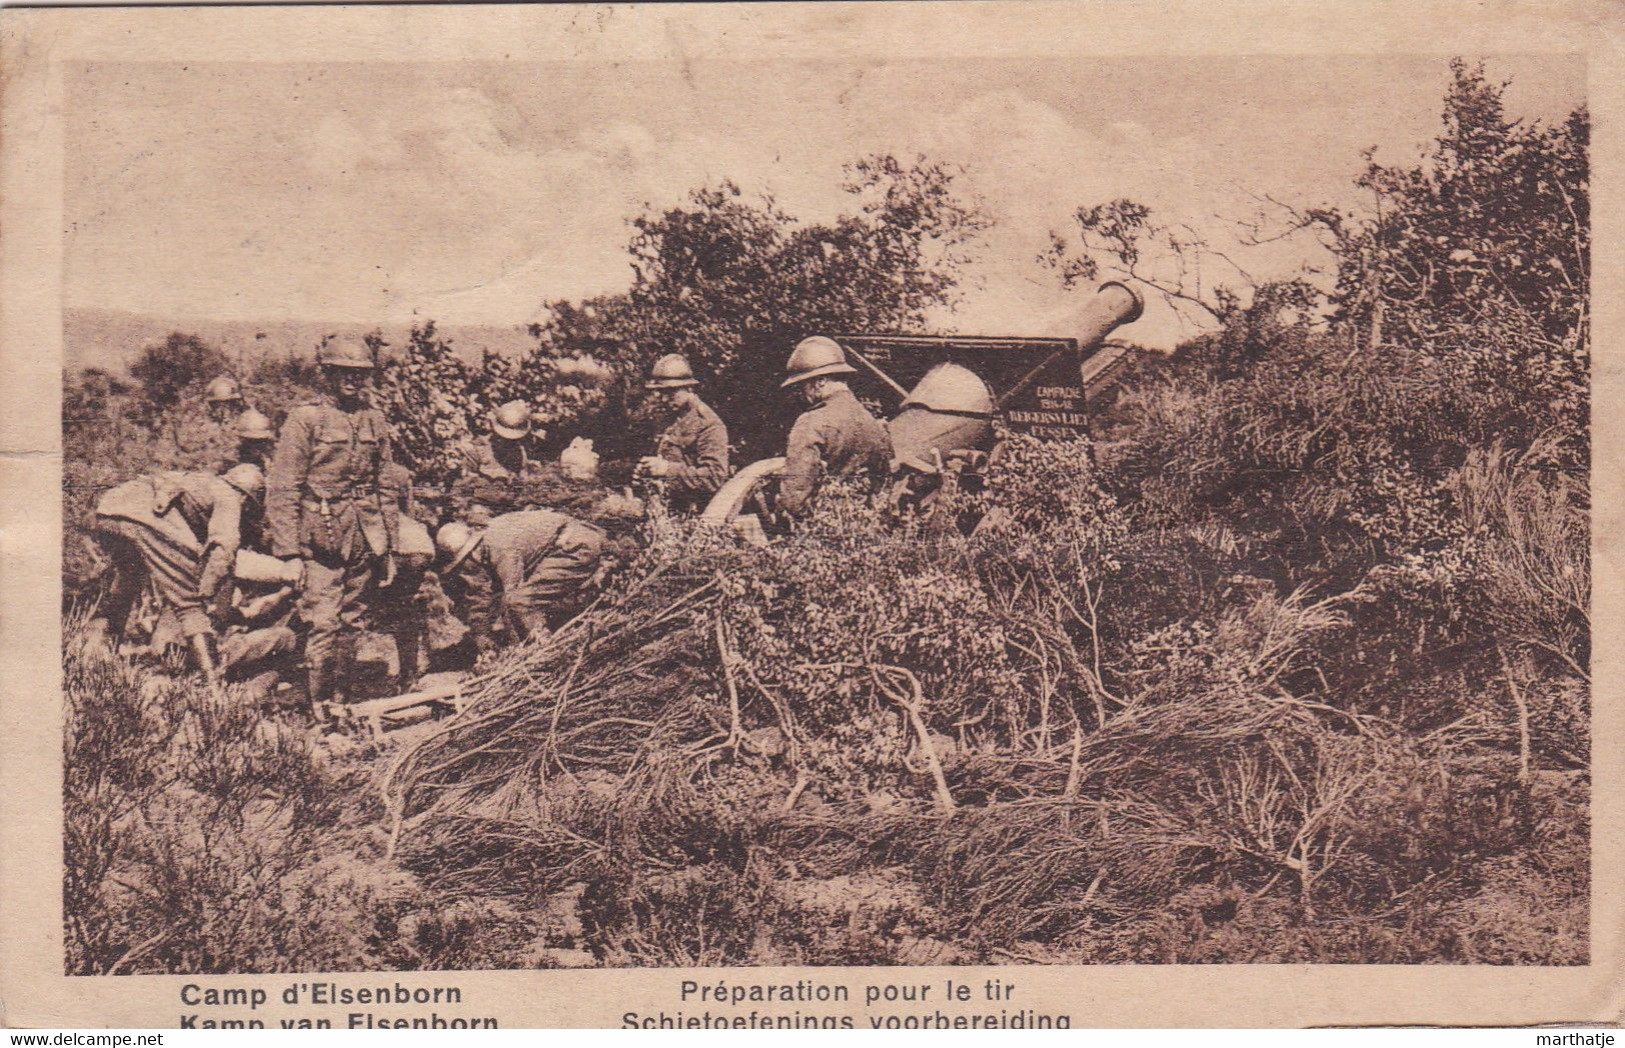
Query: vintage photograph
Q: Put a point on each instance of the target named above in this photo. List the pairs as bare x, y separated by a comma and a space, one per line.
825, 511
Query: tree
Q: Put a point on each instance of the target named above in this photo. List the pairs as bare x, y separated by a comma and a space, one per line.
733, 283
424, 395
168, 368
1477, 257
1123, 240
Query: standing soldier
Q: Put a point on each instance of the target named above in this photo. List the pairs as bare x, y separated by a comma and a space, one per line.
520, 570
179, 533
325, 507
256, 440
691, 456
836, 436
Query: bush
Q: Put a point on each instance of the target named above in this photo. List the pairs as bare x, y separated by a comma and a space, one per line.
200, 837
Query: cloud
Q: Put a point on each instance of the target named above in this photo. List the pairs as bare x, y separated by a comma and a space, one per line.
473, 193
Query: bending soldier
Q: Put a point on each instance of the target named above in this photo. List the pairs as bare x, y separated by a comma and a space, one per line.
324, 507
178, 533
836, 436
523, 572
691, 455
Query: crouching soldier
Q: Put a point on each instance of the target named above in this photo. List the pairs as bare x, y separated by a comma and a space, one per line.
524, 573
178, 533
493, 472
324, 508
256, 631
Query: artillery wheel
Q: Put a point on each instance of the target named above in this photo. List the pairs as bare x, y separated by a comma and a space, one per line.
745, 494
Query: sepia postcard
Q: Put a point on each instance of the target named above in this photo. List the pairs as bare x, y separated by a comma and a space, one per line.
891, 515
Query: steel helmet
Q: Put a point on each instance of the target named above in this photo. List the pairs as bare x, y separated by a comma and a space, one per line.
344, 353
951, 389
248, 479
671, 372
223, 390
455, 541
814, 357
253, 425
512, 420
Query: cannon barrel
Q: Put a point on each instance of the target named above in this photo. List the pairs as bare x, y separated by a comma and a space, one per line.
1113, 306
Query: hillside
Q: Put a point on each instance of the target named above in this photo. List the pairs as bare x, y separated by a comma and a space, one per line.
109, 339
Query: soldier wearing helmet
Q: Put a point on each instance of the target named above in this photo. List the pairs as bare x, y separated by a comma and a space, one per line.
836, 436
495, 466
208, 442
395, 607
942, 440
224, 397
521, 574
325, 507
691, 454
256, 439
179, 533
505, 453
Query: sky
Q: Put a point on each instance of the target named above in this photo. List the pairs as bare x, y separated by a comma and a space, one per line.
474, 192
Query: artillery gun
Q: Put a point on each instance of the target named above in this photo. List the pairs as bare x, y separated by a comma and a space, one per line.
951, 390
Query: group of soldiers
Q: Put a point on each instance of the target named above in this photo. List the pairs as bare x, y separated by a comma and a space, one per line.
313, 532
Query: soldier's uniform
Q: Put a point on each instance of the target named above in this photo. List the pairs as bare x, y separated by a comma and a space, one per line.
397, 608
200, 443
535, 563
837, 438
258, 632
493, 482
481, 459
696, 445
324, 506
177, 532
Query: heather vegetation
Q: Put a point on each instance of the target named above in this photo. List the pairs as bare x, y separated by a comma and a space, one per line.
1291, 665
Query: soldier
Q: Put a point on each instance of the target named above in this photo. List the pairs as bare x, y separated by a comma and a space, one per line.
324, 507
691, 456
397, 608
494, 469
179, 533
224, 397
523, 572
505, 454
256, 440
836, 436
256, 631
206, 443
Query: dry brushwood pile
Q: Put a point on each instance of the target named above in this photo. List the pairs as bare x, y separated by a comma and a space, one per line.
867, 744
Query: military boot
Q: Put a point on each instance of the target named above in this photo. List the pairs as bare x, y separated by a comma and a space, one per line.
319, 674
409, 655
343, 668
